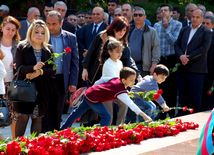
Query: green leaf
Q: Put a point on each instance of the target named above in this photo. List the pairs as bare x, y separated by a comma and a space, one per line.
54, 67
56, 54
54, 59
22, 144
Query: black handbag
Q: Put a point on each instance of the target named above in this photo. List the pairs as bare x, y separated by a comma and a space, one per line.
21, 90
5, 119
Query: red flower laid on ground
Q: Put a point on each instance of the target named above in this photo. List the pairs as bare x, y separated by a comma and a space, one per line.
191, 110
185, 108
67, 50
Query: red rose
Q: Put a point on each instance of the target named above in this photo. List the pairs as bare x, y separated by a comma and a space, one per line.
191, 110
156, 96
67, 50
185, 108
209, 93
160, 91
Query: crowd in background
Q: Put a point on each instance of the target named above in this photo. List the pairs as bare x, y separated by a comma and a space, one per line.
188, 40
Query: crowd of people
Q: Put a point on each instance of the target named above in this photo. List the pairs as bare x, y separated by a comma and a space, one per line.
113, 52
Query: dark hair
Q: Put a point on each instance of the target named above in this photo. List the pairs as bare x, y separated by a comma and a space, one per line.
49, 5
118, 24
114, 1
110, 44
170, 7
89, 12
12, 20
138, 5
176, 9
132, 8
211, 18
125, 72
80, 12
161, 69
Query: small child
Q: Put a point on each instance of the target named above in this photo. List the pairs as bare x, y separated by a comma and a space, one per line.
111, 53
149, 83
106, 89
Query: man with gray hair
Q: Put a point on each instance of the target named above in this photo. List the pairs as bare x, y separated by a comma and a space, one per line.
61, 7
4, 11
193, 41
117, 12
209, 13
188, 12
202, 8
208, 22
32, 14
106, 18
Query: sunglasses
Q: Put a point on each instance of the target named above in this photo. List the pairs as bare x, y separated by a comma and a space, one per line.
164, 10
138, 14
117, 15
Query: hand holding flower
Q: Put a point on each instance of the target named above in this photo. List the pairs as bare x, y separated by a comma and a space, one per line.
184, 59
33, 75
39, 65
165, 108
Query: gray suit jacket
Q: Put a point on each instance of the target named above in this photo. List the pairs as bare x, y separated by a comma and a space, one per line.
23, 29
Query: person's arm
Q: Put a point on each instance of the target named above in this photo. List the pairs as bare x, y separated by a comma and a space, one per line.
125, 99
74, 62
156, 52
3, 72
172, 35
102, 80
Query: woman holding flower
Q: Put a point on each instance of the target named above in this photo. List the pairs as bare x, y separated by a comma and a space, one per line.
9, 39
31, 53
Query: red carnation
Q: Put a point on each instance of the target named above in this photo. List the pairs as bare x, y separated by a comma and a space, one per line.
160, 91
208, 93
67, 50
191, 110
156, 96
185, 108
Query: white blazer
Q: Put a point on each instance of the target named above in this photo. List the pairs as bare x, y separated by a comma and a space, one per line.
2, 76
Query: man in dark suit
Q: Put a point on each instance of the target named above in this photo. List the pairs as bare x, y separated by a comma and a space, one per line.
33, 14
61, 7
188, 12
208, 103
112, 5
66, 72
191, 49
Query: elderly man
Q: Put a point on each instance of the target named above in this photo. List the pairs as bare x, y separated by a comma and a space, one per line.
61, 7
208, 103
106, 18
117, 12
66, 71
188, 12
191, 49
32, 14
4, 11
168, 30
202, 8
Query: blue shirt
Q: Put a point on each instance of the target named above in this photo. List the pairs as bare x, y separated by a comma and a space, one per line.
148, 84
168, 36
98, 26
58, 48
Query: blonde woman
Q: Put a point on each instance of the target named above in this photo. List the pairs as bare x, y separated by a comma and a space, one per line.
9, 39
31, 53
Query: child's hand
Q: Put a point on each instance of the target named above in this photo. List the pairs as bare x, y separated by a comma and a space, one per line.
165, 108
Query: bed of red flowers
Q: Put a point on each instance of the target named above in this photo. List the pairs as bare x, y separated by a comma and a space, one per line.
73, 141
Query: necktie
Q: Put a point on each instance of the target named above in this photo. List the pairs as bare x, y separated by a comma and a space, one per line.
94, 32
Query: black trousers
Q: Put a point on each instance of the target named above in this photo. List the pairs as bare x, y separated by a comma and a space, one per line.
52, 117
169, 87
